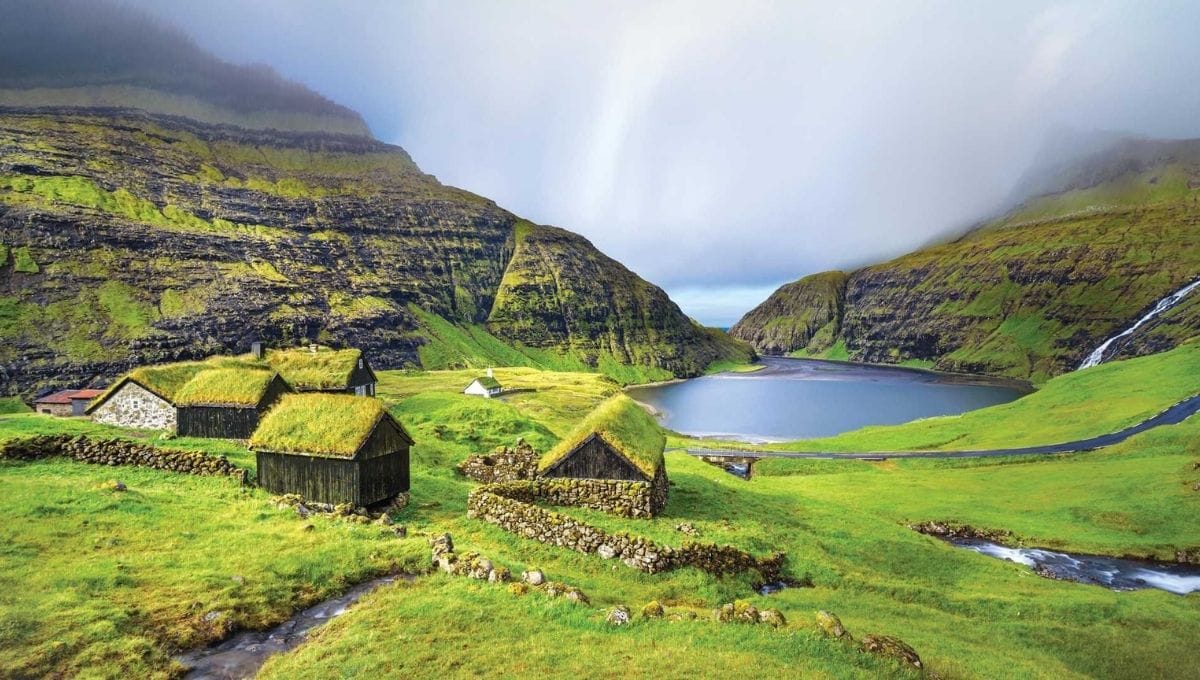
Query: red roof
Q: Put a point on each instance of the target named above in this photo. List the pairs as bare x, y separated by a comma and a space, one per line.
65, 396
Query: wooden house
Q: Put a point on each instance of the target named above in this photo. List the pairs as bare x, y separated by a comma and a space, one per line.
617, 441
227, 403
321, 369
332, 448
65, 403
485, 386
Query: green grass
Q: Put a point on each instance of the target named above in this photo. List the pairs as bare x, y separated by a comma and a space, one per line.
624, 425
321, 370
840, 522
242, 386
13, 405
23, 261
334, 425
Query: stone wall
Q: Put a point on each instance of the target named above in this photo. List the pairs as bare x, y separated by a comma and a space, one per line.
502, 465
120, 452
510, 507
135, 406
614, 496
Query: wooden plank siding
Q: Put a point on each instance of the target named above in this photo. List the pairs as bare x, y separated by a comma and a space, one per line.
378, 471
595, 459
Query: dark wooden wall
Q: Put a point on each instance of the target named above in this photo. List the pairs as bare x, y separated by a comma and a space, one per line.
323, 480
383, 477
595, 459
275, 390
218, 422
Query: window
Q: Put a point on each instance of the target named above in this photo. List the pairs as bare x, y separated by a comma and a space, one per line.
360, 391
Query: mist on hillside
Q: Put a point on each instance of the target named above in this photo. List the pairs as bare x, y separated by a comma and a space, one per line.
718, 149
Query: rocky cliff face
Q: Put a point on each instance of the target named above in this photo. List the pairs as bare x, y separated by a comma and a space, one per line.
127, 238
804, 315
1031, 294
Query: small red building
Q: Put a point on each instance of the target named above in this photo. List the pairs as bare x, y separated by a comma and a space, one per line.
66, 403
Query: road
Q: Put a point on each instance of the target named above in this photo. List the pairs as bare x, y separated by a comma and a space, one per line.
1173, 415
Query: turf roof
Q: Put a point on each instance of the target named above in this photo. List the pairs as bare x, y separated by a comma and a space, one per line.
625, 426
166, 380
488, 382
325, 369
236, 386
323, 425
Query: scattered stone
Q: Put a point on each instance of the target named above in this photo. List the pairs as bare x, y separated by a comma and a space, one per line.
577, 596
502, 465
303, 511
213, 616
739, 611
829, 624
500, 575
554, 589
891, 647
117, 485
518, 588
400, 531
653, 610
398, 503
618, 616
238, 579
772, 617
954, 530
687, 528
685, 615
384, 520
441, 545
534, 577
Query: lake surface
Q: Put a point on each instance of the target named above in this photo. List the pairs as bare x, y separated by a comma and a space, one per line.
803, 398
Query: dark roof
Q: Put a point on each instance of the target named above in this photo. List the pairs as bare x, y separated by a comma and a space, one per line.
65, 396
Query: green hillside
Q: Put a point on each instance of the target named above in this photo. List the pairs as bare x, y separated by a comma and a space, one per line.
1031, 294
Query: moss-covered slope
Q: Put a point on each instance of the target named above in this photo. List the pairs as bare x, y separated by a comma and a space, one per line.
1033, 293
133, 239
802, 315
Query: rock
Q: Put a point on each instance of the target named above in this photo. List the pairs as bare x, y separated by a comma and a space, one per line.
554, 589
500, 575
685, 615
534, 577
118, 485
739, 611
518, 588
891, 647
577, 596
303, 511
238, 579
309, 527
687, 528
653, 610
213, 616
606, 551
384, 520
400, 531
772, 617
829, 624
618, 616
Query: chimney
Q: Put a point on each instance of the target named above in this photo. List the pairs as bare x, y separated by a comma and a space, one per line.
489, 372
256, 348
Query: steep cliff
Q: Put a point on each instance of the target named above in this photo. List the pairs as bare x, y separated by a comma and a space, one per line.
1031, 294
802, 315
130, 238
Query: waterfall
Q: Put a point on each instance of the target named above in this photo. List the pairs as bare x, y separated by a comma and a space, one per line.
1163, 305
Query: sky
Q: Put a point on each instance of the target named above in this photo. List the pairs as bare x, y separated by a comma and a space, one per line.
720, 149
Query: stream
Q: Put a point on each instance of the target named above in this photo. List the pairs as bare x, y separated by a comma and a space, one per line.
243, 654
1111, 572
1097, 355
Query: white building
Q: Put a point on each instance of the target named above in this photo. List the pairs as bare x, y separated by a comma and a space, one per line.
486, 386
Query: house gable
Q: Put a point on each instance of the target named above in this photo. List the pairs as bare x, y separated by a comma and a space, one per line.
132, 405
595, 458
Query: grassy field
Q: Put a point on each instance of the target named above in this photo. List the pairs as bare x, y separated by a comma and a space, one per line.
168, 550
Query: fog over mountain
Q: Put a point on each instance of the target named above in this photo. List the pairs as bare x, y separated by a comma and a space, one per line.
719, 149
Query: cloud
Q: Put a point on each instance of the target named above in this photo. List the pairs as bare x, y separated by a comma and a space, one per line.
728, 147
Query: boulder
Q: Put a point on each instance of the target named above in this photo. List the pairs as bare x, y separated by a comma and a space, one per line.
829, 624
772, 617
653, 610
534, 577
892, 648
618, 616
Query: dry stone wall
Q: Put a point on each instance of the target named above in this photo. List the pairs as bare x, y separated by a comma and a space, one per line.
502, 465
614, 496
120, 452
510, 507
135, 406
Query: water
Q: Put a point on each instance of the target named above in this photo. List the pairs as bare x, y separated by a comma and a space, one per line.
1097, 356
1110, 572
243, 654
802, 398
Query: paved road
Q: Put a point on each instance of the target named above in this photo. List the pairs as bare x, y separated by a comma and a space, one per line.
1176, 414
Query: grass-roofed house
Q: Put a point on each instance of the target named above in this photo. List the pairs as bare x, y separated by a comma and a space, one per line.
620, 441
145, 397
485, 386
321, 369
332, 448
227, 403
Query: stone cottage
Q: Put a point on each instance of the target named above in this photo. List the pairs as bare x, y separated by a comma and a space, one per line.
65, 403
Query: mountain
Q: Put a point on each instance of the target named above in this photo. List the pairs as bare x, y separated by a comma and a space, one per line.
804, 314
1096, 243
212, 205
99, 54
